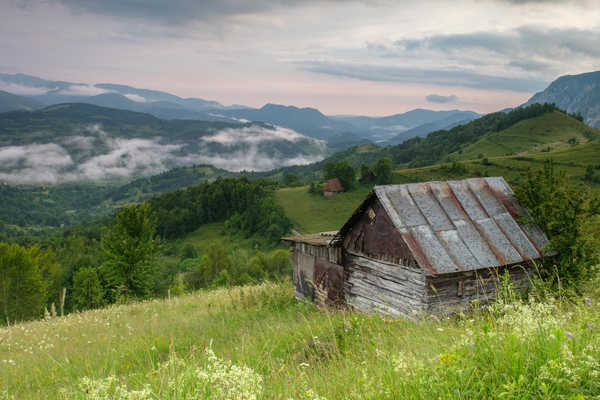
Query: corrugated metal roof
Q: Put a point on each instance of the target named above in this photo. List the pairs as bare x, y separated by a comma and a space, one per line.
461, 225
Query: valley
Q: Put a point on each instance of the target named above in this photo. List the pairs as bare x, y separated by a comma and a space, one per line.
216, 196
299, 200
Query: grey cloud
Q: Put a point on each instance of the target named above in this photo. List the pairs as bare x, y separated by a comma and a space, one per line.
436, 98
442, 77
178, 11
525, 42
520, 2
531, 65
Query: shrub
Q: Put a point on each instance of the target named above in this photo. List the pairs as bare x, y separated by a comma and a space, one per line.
569, 214
383, 171
188, 251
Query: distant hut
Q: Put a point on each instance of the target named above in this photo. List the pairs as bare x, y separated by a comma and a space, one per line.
426, 247
332, 187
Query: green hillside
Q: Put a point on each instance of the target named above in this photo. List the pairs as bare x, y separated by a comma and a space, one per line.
282, 348
555, 130
12, 102
528, 136
315, 213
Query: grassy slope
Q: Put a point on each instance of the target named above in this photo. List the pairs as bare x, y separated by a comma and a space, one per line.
202, 237
315, 213
295, 347
530, 136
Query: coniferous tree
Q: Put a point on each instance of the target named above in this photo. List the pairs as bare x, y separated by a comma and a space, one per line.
22, 291
87, 289
130, 246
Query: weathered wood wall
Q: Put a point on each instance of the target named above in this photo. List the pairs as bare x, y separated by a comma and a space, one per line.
331, 254
375, 236
452, 292
313, 265
329, 279
383, 287
304, 275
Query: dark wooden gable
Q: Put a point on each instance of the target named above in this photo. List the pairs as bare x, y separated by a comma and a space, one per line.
373, 234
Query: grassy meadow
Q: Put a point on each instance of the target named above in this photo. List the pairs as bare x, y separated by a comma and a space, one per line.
258, 342
315, 213
552, 130
312, 213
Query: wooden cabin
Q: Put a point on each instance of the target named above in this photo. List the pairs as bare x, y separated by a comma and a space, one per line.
317, 269
430, 247
332, 187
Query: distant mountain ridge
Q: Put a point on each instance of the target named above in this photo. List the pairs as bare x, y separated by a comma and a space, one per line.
13, 102
161, 104
574, 94
395, 129
84, 142
339, 132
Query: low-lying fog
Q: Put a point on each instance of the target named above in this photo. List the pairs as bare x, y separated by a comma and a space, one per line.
93, 154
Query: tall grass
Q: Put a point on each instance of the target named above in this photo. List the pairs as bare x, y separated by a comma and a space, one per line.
259, 342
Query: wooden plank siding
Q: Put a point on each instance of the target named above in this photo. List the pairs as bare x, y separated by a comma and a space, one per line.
450, 293
374, 235
309, 262
431, 247
331, 254
380, 286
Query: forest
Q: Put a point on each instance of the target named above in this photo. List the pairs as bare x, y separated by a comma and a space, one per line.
140, 247
134, 254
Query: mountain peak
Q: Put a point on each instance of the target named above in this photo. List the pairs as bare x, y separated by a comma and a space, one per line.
575, 94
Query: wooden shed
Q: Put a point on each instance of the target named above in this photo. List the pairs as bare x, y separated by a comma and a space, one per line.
318, 273
331, 187
431, 247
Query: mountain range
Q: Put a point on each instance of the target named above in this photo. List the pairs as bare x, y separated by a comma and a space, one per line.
121, 132
395, 129
572, 93
339, 131
75, 141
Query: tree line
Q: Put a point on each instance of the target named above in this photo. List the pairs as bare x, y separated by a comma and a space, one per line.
134, 253
435, 146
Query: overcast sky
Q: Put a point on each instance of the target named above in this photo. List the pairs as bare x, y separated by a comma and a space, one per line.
370, 57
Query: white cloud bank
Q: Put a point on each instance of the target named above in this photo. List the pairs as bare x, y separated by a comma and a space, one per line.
254, 134
74, 159
22, 89
135, 97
